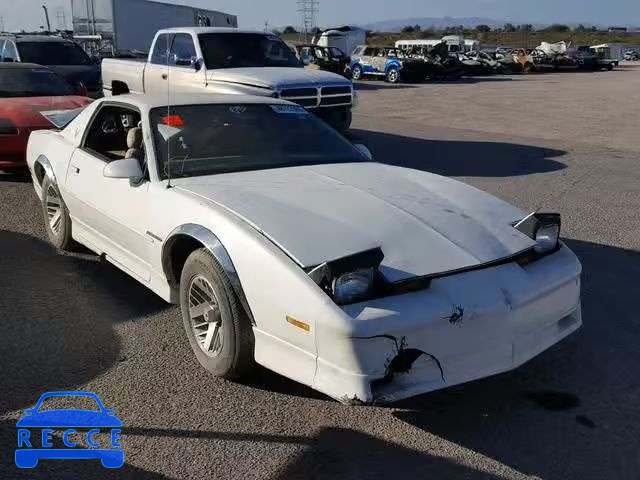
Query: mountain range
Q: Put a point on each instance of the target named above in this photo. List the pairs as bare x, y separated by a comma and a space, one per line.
433, 22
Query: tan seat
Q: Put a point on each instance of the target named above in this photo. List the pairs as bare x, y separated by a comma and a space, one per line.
134, 144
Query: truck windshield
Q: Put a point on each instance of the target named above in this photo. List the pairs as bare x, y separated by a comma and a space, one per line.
195, 140
31, 82
236, 50
52, 53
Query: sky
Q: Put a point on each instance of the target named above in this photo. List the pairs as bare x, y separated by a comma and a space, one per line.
28, 14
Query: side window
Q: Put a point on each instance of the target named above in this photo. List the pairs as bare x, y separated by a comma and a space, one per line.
183, 48
110, 134
10, 51
369, 52
159, 55
357, 51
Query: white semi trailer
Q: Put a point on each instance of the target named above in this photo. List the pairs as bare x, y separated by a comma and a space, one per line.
125, 27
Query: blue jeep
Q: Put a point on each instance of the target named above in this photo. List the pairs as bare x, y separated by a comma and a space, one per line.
388, 62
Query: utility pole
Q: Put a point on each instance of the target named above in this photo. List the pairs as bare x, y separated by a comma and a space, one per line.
266, 26
308, 10
1, 24
46, 16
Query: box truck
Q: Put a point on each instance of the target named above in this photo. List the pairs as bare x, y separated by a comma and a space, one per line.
112, 28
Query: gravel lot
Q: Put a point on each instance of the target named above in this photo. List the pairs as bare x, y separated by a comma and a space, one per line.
566, 142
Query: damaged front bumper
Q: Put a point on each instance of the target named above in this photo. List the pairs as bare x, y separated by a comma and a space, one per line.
462, 328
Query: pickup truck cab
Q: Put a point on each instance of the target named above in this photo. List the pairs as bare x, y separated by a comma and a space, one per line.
227, 60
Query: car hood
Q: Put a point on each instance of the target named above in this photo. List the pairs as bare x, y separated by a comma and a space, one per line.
69, 418
24, 112
424, 223
276, 77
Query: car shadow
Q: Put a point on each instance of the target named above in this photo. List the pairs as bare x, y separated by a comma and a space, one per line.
473, 79
58, 313
337, 453
567, 413
380, 85
455, 158
17, 176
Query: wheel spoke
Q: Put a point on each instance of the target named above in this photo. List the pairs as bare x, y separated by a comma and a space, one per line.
204, 312
211, 336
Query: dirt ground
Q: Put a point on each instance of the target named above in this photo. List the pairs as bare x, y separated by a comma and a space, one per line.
561, 142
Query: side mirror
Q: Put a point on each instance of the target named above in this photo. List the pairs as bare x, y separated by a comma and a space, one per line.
364, 151
126, 168
188, 62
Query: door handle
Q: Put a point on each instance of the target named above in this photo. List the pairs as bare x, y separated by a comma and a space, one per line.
164, 76
75, 169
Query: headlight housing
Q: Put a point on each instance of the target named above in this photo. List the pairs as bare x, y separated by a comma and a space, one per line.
353, 286
350, 279
544, 228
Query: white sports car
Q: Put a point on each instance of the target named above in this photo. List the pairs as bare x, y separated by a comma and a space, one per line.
286, 245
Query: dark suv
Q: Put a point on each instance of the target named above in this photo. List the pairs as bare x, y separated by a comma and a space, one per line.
64, 57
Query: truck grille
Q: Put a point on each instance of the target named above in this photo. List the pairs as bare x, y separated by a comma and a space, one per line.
336, 91
311, 97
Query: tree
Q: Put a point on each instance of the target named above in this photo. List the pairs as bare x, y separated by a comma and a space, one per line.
526, 27
417, 28
483, 28
289, 29
557, 27
316, 30
509, 27
580, 28
408, 29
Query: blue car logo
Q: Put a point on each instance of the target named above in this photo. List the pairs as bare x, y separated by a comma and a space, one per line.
32, 448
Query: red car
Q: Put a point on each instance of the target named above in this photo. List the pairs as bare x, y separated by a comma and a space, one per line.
25, 91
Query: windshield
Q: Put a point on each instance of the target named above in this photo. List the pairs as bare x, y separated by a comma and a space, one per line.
31, 82
213, 139
225, 50
52, 53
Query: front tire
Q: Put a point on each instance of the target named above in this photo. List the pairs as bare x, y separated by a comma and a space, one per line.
356, 72
56, 216
217, 328
393, 75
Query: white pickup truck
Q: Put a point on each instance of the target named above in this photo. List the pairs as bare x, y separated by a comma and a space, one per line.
227, 60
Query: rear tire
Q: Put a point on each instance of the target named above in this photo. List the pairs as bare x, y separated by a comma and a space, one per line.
56, 216
356, 72
218, 329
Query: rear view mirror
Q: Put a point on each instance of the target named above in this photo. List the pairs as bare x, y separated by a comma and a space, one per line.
126, 168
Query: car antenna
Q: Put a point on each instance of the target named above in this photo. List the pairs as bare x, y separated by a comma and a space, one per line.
169, 47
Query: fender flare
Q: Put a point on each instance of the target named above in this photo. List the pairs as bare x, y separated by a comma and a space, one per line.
392, 64
212, 243
47, 167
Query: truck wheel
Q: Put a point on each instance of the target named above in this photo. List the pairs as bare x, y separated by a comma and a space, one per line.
217, 328
393, 75
527, 68
356, 72
56, 216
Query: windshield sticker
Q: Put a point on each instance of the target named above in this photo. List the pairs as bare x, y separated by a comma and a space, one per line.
287, 109
238, 109
173, 121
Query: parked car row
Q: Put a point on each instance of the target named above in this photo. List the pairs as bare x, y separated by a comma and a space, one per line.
417, 62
